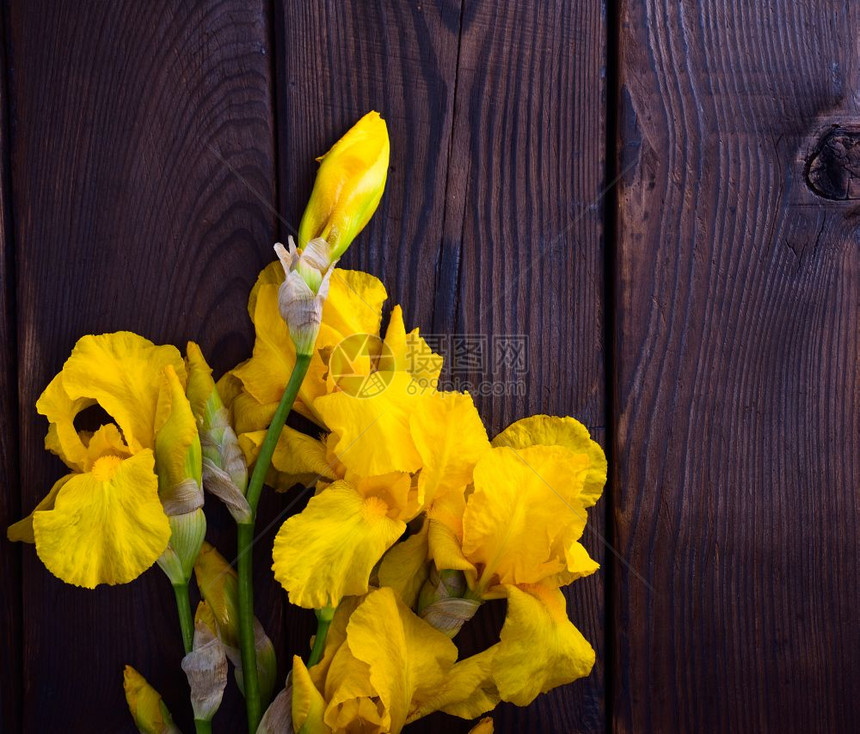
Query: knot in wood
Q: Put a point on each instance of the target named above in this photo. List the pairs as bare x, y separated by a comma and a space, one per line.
833, 171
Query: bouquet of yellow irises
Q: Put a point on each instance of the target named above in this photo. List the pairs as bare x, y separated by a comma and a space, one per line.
417, 517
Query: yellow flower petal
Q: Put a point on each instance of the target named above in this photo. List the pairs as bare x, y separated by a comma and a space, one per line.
328, 550
517, 492
353, 306
407, 657
63, 438
348, 186
373, 432
308, 705
540, 648
22, 531
410, 352
484, 726
445, 534
450, 438
404, 567
547, 430
469, 689
106, 441
352, 701
106, 526
123, 373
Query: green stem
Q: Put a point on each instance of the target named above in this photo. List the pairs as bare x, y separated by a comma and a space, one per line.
202, 727
245, 541
186, 619
324, 617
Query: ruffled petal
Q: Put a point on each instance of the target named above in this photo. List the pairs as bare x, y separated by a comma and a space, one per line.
373, 432
517, 492
406, 656
547, 430
450, 438
467, 691
107, 526
63, 438
540, 648
123, 373
328, 550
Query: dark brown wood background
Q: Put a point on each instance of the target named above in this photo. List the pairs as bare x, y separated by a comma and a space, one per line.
625, 182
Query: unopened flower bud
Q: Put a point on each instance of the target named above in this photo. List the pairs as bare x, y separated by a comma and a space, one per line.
218, 585
443, 602
348, 186
178, 464
225, 473
304, 290
206, 665
144, 702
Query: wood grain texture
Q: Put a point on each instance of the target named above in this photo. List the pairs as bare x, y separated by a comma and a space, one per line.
339, 60
522, 255
143, 162
737, 385
10, 505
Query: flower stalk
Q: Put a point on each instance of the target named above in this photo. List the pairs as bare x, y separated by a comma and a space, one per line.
324, 618
245, 540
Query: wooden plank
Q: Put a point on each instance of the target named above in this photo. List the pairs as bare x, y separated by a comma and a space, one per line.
144, 185
522, 256
737, 391
10, 506
400, 59
397, 58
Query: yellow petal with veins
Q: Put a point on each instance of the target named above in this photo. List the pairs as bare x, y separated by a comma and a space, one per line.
539, 648
406, 657
63, 438
327, 551
123, 373
547, 430
373, 432
107, 526
524, 502
450, 438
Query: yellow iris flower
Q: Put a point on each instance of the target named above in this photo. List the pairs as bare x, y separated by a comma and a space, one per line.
105, 521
